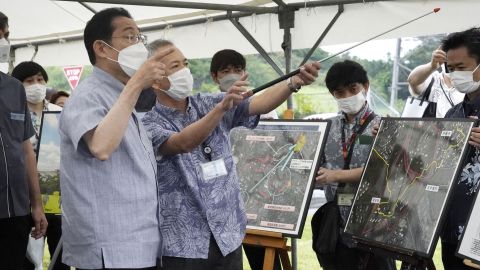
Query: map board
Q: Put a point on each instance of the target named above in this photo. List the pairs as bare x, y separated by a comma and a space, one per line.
277, 164
48, 162
406, 183
469, 247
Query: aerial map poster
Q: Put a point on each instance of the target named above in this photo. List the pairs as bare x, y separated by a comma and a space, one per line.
406, 183
48, 162
470, 244
276, 164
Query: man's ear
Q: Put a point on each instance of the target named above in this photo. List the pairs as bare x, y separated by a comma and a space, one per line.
366, 86
214, 77
100, 49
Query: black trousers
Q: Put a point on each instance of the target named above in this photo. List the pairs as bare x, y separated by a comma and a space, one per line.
14, 233
53, 235
450, 261
346, 258
215, 261
256, 255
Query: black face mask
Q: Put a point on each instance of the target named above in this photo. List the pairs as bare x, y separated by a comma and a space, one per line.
146, 100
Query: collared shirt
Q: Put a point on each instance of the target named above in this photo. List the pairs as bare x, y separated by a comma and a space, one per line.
15, 128
109, 207
468, 182
334, 155
192, 208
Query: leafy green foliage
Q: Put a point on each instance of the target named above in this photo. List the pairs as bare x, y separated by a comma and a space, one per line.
312, 99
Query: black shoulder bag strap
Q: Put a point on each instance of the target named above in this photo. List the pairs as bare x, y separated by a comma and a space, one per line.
448, 98
427, 92
346, 164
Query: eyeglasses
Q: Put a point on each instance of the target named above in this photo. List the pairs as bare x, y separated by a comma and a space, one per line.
134, 39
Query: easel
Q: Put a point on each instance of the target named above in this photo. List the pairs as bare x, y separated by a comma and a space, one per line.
272, 242
409, 259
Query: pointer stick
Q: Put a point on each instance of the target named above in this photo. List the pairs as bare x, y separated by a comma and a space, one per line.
295, 72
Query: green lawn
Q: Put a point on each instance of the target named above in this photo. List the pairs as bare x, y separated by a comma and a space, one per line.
307, 260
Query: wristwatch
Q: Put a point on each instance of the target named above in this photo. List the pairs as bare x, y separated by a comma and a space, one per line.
291, 86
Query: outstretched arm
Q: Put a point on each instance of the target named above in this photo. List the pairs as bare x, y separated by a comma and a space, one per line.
277, 94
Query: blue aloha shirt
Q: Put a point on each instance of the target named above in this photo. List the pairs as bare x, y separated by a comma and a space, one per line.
192, 209
467, 183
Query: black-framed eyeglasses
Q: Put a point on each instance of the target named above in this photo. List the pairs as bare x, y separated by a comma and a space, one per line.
134, 39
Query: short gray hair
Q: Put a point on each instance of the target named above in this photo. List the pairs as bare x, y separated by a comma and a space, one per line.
157, 44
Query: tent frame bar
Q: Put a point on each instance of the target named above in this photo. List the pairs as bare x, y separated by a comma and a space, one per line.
325, 3
324, 33
255, 44
181, 4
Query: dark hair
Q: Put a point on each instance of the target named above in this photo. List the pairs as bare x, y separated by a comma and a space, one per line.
3, 21
469, 38
27, 69
100, 27
344, 73
224, 58
58, 94
157, 44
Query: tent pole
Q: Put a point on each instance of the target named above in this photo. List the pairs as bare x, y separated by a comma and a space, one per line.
395, 73
324, 3
286, 19
255, 44
322, 36
182, 4
88, 7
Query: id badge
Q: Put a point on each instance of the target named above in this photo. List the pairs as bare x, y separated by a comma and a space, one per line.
345, 199
213, 169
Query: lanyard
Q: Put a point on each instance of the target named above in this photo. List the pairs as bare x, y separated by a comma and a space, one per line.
206, 149
346, 146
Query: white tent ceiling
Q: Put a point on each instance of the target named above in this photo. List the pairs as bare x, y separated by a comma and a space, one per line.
32, 21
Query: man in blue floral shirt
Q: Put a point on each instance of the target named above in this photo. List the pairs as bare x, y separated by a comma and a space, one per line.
463, 60
202, 216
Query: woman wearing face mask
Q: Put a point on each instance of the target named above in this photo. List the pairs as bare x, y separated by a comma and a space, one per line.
346, 152
34, 79
201, 208
226, 68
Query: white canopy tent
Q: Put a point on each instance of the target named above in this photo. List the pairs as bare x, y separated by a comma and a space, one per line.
50, 31
57, 26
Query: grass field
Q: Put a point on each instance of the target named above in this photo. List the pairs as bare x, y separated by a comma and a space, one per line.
306, 258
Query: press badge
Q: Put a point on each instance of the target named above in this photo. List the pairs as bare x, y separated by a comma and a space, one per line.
345, 199
213, 169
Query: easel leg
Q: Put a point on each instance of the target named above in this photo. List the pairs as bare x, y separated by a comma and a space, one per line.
285, 260
55, 254
269, 258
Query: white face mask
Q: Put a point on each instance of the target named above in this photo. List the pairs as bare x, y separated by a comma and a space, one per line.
463, 81
131, 57
4, 50
228, 80
353, 104
181, 84
36, 93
